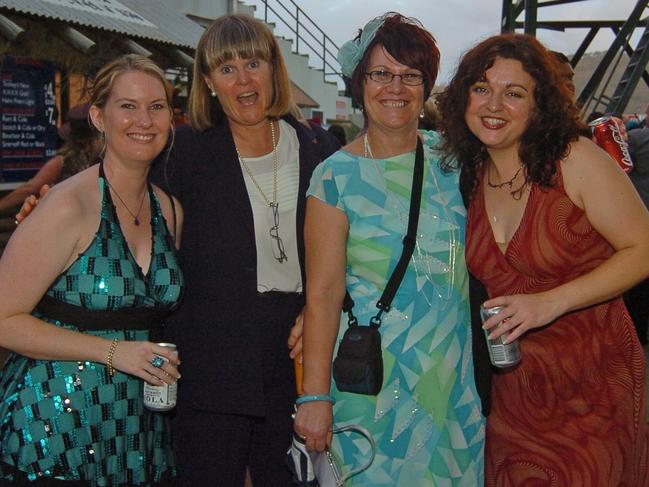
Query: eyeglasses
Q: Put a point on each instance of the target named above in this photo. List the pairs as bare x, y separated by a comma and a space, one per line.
278, 246
386, 77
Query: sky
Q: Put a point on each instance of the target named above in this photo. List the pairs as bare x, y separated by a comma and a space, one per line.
459, 24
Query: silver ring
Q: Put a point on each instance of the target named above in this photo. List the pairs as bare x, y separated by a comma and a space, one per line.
157, 361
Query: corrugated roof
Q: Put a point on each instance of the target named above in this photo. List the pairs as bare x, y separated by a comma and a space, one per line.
148, 19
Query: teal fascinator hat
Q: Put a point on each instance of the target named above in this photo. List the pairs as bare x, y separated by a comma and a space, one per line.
351, 52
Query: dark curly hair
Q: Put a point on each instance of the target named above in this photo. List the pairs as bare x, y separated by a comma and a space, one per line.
554, 124
406, 40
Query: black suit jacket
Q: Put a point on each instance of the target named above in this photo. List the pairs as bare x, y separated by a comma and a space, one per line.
231, 338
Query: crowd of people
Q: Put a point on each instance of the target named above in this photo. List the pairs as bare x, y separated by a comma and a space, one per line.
283, 225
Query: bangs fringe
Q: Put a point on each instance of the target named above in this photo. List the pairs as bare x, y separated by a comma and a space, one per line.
239, 42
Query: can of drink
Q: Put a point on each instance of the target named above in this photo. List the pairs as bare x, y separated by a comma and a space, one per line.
162, 397
501, 354
608, 135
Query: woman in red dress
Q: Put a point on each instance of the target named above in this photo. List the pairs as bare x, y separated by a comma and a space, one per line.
556, 233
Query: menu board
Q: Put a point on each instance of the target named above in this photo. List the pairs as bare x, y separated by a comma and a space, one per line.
28, 134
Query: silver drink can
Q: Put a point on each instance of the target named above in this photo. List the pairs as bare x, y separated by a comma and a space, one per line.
501, 354
163, 397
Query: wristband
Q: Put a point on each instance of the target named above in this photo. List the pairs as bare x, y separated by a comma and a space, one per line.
314, 397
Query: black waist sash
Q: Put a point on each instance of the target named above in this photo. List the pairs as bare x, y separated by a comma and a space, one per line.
118, 319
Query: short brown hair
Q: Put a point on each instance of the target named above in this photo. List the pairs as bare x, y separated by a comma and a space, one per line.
229, 37
406, 40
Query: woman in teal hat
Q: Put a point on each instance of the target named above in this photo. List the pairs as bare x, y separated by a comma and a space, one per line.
426, 420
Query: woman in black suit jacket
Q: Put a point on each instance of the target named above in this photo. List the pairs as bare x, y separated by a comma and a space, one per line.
240, 171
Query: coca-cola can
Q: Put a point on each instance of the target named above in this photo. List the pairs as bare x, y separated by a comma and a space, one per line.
607, 133
501, 354
163, 397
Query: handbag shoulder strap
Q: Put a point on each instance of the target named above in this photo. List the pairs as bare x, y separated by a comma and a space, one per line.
409, 242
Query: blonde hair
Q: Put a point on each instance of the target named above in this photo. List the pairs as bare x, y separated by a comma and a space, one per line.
230, 37
104, 81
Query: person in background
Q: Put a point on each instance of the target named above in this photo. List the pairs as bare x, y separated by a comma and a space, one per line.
241, 169
429, 118
339, 133
85, 282
427, 414
637, 298
556, 233
631, 121
80, 150
566, 72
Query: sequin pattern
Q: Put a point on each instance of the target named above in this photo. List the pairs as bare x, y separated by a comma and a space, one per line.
71, 420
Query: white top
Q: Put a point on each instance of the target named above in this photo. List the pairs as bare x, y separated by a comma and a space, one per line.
273, 275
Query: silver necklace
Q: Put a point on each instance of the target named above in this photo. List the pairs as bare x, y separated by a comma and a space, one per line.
424, 263
367, 153
279, 251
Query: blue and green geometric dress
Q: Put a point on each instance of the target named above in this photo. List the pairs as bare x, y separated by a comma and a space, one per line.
70, 423
426, 421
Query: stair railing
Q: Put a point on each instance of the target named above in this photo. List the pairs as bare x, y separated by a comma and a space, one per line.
308, 36
587, 95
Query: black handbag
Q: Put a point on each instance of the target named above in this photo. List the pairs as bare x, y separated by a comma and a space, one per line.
358, 366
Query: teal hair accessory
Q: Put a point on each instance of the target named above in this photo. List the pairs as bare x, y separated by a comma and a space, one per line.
351, 52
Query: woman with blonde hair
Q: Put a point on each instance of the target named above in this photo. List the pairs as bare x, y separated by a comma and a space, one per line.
241, 170
86, 282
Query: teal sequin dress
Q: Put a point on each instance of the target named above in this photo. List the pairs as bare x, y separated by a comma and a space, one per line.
70, 423
426, 420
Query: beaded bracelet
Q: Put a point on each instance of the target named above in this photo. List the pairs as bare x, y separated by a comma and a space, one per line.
109, 359
314, 397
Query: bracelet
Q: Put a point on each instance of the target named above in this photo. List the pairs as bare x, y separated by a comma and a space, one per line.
314, 397
109, 359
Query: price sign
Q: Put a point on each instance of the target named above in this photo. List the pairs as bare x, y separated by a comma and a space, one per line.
28, 135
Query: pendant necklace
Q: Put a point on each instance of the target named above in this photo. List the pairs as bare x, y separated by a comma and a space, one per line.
136, 216
424, 263
271, 203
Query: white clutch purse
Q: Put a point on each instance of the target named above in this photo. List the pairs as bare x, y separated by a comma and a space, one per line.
319, 469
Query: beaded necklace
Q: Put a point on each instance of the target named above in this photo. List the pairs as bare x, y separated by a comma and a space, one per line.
423, 261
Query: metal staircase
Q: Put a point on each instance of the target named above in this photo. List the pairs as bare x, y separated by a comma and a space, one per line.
631, 76
309, 53
308, 38
593, 96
